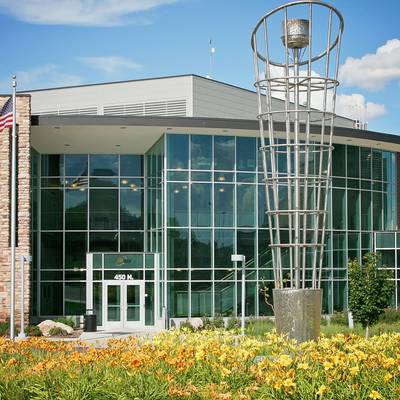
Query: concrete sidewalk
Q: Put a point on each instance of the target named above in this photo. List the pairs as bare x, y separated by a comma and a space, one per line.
100, 338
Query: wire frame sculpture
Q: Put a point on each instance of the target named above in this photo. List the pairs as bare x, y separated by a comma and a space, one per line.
300, 67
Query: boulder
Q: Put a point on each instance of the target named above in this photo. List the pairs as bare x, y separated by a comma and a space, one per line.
197, 323
47, 325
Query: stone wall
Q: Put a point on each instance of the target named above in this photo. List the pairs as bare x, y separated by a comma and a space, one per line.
23, 209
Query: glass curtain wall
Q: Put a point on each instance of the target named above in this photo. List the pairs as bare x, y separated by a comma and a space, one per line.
387, 244
216, 207
86, 203
155, 215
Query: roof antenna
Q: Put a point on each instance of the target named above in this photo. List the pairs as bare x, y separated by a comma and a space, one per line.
211, 51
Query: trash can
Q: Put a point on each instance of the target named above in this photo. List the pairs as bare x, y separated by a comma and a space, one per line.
89, 322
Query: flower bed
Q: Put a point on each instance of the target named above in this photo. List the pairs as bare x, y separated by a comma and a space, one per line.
203, 365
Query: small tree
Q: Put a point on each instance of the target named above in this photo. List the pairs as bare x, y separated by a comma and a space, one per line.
369, 290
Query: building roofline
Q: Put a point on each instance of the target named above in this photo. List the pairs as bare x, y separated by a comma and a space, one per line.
138, 80
198, 122
110, 83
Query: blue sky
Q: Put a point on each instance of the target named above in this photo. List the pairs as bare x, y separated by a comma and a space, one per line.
65, 42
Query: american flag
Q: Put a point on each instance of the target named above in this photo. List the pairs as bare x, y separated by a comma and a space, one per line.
6, 115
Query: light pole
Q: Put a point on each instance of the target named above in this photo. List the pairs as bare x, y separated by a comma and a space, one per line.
242, 258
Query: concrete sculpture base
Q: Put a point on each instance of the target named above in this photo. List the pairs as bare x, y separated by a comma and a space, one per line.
298, 313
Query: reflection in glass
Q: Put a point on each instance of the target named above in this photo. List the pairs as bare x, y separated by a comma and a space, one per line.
52, 209
339, 160
178, 204
133, 302
132, 241
223, 205
366, 217
201, 248
131, 165
75, 209
353, 209
178, 248
377, 208
353, 159
200, 176
366, 162
75, 249
51, 298
223, 248
52, 165
103, 182
245, 154
245, 205
178, 151
262, 207
103, 165
224, 298
51, 253
75, 298
178, 299
201, 151
131, 208
76, 165
377, 165
338, 209
103, 206
114, 303
224, 152
98, 301
246, 245
201, 299
149, 303
201, 204
103, 242
224, 177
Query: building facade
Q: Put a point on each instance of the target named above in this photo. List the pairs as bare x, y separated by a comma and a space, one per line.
134, 211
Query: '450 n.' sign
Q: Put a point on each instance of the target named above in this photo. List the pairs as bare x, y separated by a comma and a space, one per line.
123, 277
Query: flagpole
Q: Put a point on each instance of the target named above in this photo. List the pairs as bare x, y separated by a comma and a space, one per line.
13, 207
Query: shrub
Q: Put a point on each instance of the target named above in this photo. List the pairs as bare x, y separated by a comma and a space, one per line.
66, 321
340, 318
4, 328
258, 326
56, 331
187, 325
213, 323
233, 323
206, 323
324, 321
218, 321
390, 316
370, 290
33, 330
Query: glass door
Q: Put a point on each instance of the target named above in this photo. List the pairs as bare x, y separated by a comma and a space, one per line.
134, 303
113, 304
123, 305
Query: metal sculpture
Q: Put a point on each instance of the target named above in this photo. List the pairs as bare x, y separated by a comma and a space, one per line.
296, 146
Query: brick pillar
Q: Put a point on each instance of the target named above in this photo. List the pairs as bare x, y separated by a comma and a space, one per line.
23, 209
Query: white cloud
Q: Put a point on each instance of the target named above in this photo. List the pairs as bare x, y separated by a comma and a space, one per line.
48, 75
373, 71
355, 106
78, 12
110, 64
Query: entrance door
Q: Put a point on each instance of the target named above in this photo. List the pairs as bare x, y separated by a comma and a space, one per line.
123, 304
